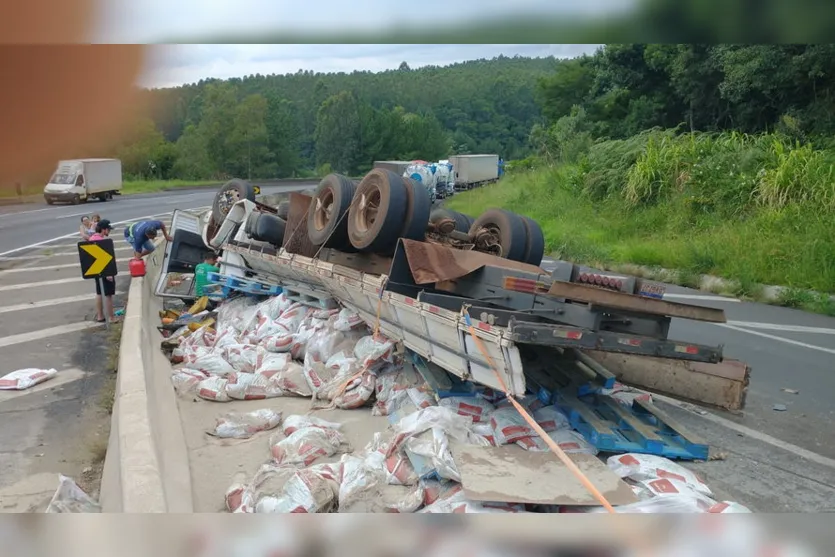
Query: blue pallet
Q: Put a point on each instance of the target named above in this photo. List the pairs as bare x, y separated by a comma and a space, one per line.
614, 428
246, 286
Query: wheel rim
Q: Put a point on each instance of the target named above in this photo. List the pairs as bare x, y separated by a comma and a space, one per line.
324, 210
227, 199
368, 209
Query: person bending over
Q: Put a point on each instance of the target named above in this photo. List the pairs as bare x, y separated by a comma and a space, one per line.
141, 235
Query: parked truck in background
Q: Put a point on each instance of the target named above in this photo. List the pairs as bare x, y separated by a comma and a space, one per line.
398, 167
474, 170
77, 181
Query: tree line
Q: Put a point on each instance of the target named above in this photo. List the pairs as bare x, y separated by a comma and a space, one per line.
307, 123
624, 89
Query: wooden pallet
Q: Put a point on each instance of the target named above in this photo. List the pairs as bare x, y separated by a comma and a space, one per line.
250, 287
643, 428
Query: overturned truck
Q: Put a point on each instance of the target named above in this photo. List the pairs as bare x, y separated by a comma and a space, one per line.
464, 294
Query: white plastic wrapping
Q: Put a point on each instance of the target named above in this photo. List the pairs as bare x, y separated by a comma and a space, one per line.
295, 422
306, 445
251, 386
475, 407
569, 441
509, 426
639, 467
69, 498
25, 378
214, 389
550, 418
243, 425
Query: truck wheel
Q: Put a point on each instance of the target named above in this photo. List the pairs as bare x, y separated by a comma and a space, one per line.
265, 227
462, 221
378, 211
230, 193
49, 201
327, 223
509, 229
535, 248
283, 209
418, 208
76, 200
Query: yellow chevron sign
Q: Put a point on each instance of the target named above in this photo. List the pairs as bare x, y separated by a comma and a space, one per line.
98, 259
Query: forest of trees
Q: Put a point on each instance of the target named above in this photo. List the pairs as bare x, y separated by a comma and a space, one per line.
623, 90
306, 123
290, 125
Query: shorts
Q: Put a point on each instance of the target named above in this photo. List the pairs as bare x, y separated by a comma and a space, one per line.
109, 287
147, 245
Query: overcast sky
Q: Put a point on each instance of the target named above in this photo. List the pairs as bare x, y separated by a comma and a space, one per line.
179, 64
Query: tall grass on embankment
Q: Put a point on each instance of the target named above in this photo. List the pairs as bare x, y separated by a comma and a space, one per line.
754, 209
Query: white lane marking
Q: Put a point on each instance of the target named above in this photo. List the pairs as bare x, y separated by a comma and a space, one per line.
73, 215
64, 376
28, 212
51, 267
752, 433
46, 333
52, 302
58, 254
703, 297
65, 236
8, 287
775, 337
785, 328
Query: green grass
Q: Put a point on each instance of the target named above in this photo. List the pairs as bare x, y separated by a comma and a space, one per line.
748, 209
150, 186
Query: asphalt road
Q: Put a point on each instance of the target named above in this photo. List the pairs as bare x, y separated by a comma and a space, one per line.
25, 226
47, 320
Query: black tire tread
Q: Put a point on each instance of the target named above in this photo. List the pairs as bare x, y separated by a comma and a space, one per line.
335, 234
418, 209
388, 233
513, 233
535, 246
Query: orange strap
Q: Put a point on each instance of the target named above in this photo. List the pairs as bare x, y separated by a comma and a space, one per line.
536, 427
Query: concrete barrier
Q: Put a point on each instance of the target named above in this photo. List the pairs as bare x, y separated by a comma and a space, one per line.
146, 469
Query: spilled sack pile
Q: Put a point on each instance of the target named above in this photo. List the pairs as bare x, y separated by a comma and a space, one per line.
279, 348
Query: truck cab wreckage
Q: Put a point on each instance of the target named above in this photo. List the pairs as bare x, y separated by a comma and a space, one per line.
467, 297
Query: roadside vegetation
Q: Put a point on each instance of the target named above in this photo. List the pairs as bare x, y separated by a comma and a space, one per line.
757, 209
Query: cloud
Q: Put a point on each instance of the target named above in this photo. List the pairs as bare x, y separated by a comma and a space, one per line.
182, 20
179, 64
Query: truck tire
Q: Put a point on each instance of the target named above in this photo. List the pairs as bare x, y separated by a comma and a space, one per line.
535, 248
230, 193
509, 227
418, 209
376, 216
76, 199
327, 221
462, 221
283, 209
265, 227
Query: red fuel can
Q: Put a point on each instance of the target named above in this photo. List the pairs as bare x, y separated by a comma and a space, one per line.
137, 267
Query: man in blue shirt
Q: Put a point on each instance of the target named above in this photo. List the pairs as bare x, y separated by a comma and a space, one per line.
140, 235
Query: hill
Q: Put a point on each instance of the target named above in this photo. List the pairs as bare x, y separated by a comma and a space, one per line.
286, 125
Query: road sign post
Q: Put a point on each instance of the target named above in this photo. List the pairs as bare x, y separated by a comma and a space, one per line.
98, 262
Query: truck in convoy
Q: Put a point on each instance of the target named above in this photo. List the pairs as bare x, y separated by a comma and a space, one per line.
77, 181
398, 167
472, 171
467, 295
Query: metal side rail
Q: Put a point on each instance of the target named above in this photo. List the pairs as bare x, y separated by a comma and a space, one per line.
546, 334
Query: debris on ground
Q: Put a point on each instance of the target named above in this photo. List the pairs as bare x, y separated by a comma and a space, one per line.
249, 350
237, 425
779, 407
69, 498
790, 391
23, 379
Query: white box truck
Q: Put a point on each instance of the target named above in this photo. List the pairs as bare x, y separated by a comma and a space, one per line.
77, 181
474, 170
